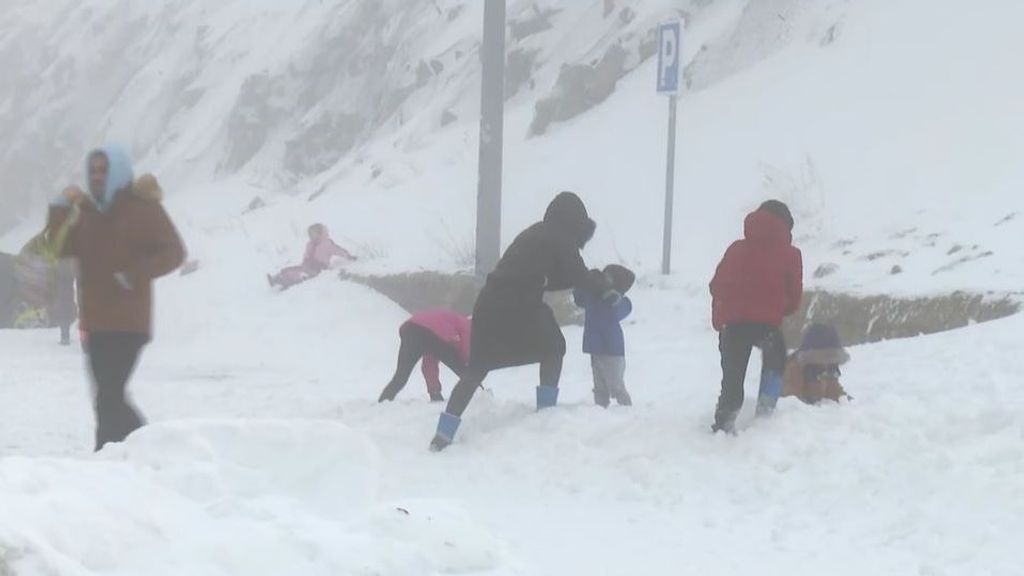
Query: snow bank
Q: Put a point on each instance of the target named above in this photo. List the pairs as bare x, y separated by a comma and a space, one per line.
212, 498
919, 474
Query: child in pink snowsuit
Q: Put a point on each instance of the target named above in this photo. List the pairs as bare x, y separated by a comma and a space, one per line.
320, 251
435, 336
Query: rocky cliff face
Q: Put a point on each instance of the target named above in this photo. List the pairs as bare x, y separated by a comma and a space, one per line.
285, 93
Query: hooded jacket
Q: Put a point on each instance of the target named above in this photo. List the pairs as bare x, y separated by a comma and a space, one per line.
452, 328
320, 251
602, 325
812, 372
122, 243
546, 256
760, 278
512, 326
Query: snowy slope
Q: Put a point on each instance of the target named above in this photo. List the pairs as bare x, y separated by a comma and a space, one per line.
285, 94
892, 128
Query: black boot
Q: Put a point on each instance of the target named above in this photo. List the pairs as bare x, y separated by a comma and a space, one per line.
724, 422
624, 399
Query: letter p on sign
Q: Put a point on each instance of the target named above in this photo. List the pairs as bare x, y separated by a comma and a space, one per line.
669, 43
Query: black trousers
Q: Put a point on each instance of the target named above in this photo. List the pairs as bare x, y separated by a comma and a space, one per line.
418, 342
550, 375
112, 359
736, 343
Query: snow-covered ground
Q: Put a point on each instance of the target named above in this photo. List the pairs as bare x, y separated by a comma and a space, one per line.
893, 128
272, 457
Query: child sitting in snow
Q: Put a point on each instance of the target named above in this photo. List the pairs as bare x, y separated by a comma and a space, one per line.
320, 252
812, 372
603, 339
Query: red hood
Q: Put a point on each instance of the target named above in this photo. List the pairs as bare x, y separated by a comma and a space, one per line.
765, 227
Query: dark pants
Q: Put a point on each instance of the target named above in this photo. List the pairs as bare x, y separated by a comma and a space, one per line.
550, 375
112, 359
736, 342
418, 342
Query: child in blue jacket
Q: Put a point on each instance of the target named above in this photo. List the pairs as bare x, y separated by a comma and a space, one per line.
603, 339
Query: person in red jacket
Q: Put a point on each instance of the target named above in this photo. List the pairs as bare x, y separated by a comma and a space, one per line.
757, 284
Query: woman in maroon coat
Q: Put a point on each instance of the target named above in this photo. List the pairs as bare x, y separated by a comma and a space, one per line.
123, 241
758, 283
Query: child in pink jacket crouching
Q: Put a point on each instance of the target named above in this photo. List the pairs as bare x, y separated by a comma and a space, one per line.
435, 336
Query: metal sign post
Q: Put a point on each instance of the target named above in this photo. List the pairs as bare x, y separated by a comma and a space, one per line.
492, 122
669, 66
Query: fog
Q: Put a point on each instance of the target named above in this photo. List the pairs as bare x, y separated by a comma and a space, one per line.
280, 92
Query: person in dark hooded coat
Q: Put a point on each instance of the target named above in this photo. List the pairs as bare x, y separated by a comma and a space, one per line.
64, 310
8, 290
512, 326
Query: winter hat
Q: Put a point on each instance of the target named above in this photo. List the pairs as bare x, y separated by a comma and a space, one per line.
821, 345
318, 230
622, 278
779, 209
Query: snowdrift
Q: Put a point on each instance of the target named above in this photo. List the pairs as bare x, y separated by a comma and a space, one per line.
229, 498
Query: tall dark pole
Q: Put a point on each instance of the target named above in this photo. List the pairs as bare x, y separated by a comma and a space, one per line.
670, 188
492, 128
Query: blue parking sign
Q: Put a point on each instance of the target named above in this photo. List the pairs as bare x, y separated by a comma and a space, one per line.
670, 38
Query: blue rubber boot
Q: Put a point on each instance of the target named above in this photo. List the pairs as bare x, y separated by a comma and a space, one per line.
447, 425
547, 397
768, 397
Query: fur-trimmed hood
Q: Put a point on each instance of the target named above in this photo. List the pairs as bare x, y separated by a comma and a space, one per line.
147, 188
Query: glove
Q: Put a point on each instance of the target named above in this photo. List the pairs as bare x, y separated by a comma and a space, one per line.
612, 297
73, 195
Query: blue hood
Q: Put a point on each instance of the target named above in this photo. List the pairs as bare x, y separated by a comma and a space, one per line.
120, 177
